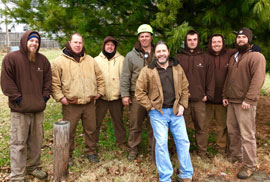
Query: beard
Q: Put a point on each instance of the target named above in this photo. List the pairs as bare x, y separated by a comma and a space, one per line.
162, 62
242, 48
32, 56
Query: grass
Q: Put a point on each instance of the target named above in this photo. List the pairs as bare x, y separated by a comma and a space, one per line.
266, 86
113, 165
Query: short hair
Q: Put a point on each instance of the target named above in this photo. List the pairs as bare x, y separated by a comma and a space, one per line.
161, 42
76, 33
192, 32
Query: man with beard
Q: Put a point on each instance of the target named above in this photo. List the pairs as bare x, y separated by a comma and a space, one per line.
141, 55
214, 109
162, 89
77, 82
246, 74
110, 63
26, 80
200, 74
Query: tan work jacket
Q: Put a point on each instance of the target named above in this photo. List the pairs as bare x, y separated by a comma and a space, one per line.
149, 89
79, 82
111, 70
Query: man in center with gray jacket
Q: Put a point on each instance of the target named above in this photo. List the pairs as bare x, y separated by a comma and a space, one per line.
140, 56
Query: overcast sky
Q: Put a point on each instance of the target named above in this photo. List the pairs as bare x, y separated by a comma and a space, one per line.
13, 26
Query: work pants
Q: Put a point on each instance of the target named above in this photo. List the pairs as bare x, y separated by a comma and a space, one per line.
26, 134
116, 111
136, 118
196, 110
87, 113
241, 130
219, 113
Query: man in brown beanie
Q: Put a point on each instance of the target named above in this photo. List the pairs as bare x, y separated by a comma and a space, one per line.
110, 63
26, 80
246, 74
77, 82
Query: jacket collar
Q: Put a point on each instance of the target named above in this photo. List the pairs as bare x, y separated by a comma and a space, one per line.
117, 54
72, 58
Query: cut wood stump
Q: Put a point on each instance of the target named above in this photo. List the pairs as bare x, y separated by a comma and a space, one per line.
61, 150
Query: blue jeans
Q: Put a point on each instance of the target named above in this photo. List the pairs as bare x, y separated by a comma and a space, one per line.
160, 124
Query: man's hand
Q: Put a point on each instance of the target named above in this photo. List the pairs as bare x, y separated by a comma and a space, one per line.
225, 102
180, 111
64, 101
126, 101
204, 99
245, 105
97, 96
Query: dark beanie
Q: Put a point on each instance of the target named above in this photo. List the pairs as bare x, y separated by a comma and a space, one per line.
247, 32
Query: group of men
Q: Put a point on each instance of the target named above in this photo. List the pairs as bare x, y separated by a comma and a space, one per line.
157, 89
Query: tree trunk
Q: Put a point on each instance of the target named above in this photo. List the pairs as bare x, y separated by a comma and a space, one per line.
61, 150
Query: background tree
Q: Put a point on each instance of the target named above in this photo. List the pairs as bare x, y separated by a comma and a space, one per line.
214, 16
171, 19
94, 19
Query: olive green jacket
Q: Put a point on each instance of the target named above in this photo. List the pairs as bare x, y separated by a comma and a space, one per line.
133, 63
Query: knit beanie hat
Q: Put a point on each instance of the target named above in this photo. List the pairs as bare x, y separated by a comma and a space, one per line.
247, 32
107, 54
33, 35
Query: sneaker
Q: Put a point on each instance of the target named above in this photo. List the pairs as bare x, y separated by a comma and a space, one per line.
38, 173
183, 179
132, 155
245, 173
93, 158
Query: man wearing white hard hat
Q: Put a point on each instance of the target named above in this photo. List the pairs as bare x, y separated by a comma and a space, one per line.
140, 56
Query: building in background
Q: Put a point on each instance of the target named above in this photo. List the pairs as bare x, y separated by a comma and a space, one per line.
15, 32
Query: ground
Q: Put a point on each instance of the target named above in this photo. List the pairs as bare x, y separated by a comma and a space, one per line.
114, 166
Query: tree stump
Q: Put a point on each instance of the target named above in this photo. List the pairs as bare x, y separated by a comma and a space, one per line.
61, 150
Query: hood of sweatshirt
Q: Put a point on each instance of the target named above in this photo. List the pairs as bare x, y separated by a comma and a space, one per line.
186, 48
23, 42
107, 54
210, 49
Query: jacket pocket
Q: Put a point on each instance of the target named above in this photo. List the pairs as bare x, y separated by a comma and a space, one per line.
153, 96
32, 103
196, 93
17, 132
235, 92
